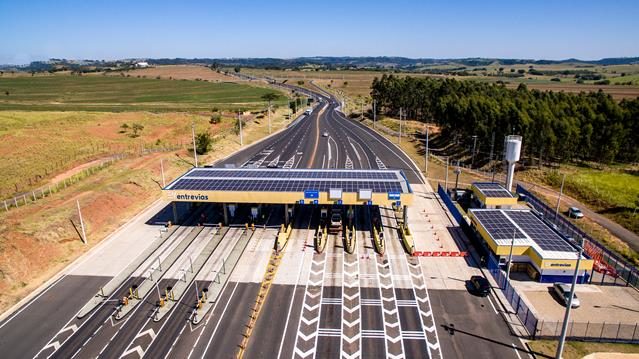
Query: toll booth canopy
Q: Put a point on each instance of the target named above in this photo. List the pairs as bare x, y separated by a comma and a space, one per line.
291, 186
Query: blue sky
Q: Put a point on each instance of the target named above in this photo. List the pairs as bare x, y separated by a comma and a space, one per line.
543, 29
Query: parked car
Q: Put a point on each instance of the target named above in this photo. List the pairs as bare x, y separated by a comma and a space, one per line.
325, 134
479, 285
563, 291
574, 212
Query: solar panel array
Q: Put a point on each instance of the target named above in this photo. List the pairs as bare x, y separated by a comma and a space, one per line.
538, 231
216, 179
501, 224
490, 189
305, 174
498, 225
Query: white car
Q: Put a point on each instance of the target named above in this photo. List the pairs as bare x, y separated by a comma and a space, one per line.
563, 291
325, 134
574, 212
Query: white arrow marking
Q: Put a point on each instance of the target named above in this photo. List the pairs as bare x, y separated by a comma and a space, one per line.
55, 345
311, 308
73, 328
304, 354
150, 332
310, 322
137, 349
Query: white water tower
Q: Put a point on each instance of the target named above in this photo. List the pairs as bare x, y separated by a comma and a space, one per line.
513, 150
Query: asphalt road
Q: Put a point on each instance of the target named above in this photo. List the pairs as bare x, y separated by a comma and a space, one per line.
389, 319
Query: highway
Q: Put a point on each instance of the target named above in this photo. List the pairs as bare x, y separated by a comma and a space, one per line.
330, 304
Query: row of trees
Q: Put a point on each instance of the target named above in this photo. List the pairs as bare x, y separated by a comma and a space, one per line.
555, 125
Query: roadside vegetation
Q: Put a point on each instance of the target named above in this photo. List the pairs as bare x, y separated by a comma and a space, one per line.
578, 350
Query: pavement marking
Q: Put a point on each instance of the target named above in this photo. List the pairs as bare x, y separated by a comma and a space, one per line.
137, 350
206, 349
516, 350
492, 305
317, 136
6, 321
290, 307
210, 315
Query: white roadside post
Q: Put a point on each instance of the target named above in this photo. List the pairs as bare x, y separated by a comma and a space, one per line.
564, 327
426, 153
162, 170
84, 234
194, 148
446, 180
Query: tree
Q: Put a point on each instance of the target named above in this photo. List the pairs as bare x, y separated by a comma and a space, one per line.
236, 69
137, 128
203, 142
300, 82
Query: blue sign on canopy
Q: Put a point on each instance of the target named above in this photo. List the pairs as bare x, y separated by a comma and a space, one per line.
394, 195
311, 193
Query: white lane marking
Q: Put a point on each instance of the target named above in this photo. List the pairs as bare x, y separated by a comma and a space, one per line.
210, 315
492, 305
516, 350
6, 321
206, 349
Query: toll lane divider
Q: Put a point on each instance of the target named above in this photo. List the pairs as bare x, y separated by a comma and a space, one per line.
378, 240
107, 290
407, 238
350, 238
283, 236
188, 274
149, 282
320, 239
211, 294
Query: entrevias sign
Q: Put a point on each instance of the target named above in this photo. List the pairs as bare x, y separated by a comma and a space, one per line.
192, 197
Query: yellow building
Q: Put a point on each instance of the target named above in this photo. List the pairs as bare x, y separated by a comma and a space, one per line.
536, 248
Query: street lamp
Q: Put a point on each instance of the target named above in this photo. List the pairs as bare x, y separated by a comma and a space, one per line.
457, 173
564, 327
472, 159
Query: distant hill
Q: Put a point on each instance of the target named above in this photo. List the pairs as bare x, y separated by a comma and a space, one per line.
324, 62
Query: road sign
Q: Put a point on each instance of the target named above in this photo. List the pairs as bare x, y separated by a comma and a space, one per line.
398, 203
370, 203
315, 201
394, 196
339, 201
301, 201
311, 194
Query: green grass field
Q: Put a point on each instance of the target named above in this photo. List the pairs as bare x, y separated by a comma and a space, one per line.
118, 94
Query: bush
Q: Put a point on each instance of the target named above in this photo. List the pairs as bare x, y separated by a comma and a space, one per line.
602, 82
203, 142
215, 119
556, 79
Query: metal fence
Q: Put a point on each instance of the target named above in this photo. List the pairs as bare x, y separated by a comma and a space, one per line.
34, 195
527, 316
604, 332
615, 269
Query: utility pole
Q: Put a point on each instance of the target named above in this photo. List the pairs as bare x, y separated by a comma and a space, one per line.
564, 327
472, 160
194, 148
426, 154
492, 147
239, 119
446, 173
84, 234
162, 170
561, 191
269, 117
374, 113
510, 258
400, 126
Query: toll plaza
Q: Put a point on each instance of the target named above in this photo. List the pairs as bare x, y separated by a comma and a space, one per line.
338, 192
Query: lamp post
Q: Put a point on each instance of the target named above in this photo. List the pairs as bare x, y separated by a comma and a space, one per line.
510, 257
561, 191
194, 148
564, 327
457, 172
426, 154
472, 159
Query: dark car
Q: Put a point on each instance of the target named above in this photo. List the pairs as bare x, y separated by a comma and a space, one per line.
479, 285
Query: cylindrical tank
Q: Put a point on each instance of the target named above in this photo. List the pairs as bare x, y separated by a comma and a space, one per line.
513, 148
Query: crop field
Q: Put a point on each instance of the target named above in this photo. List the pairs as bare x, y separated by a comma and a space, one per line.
118, 94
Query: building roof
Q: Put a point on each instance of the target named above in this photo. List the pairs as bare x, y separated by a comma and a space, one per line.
527, 230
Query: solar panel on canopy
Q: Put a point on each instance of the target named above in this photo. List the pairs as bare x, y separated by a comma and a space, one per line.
498, 225
538, 231
490, 189
219, 179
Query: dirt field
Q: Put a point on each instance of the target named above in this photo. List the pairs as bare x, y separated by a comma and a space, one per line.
39, 239
179, 72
